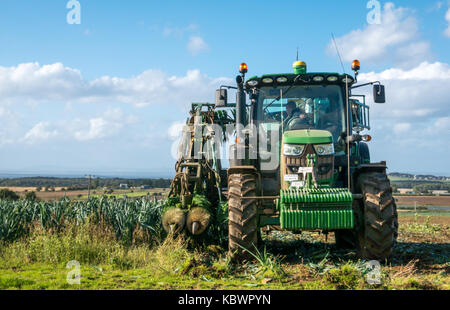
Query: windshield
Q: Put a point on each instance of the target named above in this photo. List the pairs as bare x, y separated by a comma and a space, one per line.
304, 107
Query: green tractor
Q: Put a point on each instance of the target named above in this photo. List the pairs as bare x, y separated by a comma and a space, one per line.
295, 160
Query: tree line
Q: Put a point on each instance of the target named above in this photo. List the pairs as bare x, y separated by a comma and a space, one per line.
49, 183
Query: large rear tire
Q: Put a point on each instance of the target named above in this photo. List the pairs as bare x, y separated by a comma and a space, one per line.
242, 215
378, 233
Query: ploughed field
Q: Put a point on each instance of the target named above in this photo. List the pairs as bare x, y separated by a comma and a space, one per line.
423, 200
120, 245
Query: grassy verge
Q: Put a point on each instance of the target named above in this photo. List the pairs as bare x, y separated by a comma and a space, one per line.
306, 261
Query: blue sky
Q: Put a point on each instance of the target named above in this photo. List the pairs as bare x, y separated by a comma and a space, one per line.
107, 94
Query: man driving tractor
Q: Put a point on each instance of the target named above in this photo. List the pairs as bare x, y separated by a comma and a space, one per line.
296, 116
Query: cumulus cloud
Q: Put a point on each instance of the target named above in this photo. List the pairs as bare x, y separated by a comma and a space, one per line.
396, 34
98, 128
197, 45
87, 110
109, 124
447, 18
40, 83
412, 129
419, 94
415, 118
47, 82
40, 132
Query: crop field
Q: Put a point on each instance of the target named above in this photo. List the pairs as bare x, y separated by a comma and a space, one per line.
120, 244
60, 193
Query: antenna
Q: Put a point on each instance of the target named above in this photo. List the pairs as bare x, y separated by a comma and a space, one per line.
347, 94
337, 51
297, 53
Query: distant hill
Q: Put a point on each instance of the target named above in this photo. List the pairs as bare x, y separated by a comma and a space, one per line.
417, 177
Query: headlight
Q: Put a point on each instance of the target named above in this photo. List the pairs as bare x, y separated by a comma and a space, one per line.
318, 78
293, 149
347, 79
324, 149
282, 79
267, 80
252, 83
332, 78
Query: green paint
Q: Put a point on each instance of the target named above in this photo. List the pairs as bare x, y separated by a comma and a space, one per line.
307, 136
316, 208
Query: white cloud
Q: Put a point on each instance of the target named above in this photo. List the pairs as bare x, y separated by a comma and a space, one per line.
35, 83
109, 124
196, 45
40, 132
98, 128
447, 18
398, 33
414, 119
47, 82
419, 94
411, 131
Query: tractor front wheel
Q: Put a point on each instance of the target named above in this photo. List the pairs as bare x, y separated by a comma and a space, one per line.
242, 215
378, 232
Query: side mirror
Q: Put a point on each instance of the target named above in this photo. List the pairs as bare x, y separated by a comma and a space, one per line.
221, 98
378, 94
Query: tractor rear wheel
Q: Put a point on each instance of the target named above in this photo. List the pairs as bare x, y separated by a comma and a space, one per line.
242, 215
378, 233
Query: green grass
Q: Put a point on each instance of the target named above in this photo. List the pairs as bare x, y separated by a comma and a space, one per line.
37, 259
288, 262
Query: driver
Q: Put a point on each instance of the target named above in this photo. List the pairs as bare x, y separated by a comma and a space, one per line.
294, 112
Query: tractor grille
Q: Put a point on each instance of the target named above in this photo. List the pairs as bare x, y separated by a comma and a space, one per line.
325, 164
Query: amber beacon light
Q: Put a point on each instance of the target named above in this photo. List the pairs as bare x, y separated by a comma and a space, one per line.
356, 65
243, 68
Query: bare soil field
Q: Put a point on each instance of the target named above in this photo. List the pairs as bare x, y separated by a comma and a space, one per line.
423, 200
22, 189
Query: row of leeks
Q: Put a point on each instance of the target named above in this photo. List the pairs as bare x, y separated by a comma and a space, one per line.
123, 216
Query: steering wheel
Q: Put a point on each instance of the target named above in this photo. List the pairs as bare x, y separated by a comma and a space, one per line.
298, 123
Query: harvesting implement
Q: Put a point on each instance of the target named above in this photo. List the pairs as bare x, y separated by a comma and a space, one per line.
288, 155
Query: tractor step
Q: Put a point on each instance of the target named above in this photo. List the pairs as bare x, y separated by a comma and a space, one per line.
316, 208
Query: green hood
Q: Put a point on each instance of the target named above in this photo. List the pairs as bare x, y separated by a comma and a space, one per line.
307, 136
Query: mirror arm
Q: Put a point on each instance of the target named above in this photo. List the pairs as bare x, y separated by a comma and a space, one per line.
365, 84
228, 87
